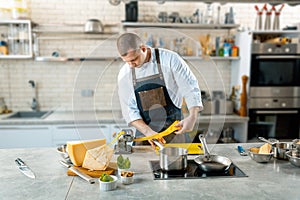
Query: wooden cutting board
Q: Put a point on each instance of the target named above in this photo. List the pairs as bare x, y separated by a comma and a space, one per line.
95, 173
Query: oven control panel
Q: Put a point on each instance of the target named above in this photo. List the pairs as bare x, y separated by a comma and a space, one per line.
269, 48
274, 103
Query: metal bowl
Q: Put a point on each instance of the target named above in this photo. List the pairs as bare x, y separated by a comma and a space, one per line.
62, 150
294, 157
93, 26
258, 157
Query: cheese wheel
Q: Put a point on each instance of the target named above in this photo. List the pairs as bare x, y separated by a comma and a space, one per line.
77, 149
98, 158
265, 149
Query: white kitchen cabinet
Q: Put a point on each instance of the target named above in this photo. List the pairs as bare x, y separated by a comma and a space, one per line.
17, 35
69, 132
25, 136
216, 123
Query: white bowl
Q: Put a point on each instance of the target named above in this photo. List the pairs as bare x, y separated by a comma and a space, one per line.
107, 186
127, 179
122, 170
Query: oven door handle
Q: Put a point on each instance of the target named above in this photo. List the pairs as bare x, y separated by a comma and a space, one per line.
278, 57
276, 112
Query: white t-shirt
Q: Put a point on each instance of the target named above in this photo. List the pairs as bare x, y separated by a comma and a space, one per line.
179, 80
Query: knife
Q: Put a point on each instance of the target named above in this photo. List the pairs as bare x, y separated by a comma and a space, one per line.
241, 151
79, 173
24, 168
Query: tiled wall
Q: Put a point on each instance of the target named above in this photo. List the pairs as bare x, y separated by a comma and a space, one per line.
61, 83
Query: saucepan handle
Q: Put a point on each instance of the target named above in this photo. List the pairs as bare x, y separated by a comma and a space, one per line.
204, 145
158, 144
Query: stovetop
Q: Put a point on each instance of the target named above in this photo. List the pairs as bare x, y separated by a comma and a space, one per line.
193, 172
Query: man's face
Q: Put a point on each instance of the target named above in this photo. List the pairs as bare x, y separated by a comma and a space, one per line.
135, 58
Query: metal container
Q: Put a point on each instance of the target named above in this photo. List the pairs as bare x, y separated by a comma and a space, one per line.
294, 157
210, 162
93, 26
172, 158
280, 148
260, 158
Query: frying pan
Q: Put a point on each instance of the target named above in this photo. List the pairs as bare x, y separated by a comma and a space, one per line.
211, 162
171, 158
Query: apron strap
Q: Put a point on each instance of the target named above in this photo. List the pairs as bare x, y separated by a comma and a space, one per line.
134, 79
158, 64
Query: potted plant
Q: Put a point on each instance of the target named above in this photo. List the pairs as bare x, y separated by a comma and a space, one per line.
123, 164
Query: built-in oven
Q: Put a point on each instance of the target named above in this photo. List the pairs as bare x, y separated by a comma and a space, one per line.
274, 91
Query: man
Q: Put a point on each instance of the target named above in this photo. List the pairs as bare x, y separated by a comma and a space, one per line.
152, 85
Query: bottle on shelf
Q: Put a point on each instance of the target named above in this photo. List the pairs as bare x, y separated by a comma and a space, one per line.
3, 48
234, 51
23, 39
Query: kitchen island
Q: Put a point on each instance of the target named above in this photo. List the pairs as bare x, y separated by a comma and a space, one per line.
277, 179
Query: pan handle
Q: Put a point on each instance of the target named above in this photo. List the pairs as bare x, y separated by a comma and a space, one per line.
158, 144
267, 141
204, 145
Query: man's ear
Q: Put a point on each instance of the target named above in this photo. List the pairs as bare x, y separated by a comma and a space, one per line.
144, 48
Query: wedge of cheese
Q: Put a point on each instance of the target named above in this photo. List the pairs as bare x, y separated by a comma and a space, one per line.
78, 149
98, 158
265, 149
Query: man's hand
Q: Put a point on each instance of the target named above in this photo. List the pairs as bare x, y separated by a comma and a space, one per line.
189, 122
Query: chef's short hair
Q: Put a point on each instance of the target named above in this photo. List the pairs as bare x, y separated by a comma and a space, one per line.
128, 42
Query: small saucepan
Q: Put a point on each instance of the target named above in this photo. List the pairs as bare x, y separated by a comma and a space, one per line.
279, 148
210, 162
172, 158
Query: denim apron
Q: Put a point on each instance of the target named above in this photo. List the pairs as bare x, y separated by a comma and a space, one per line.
154, 103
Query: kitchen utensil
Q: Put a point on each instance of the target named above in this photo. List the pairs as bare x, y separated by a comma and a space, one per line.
294, 157
268, 17
123, 145
172, 158
24, 168
258, 157
93, 26
276, 21
62, 150
258, 22
242, 151
211, 162
107, 186
79, 173
279, 148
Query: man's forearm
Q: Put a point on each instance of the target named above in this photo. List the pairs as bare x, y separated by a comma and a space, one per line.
194, 112
141, 126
